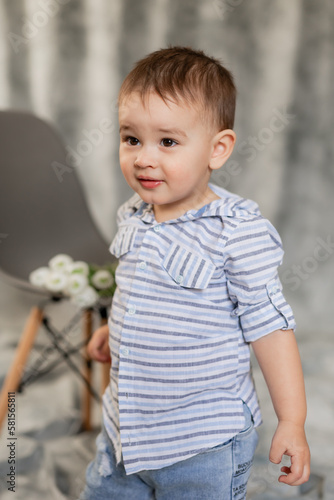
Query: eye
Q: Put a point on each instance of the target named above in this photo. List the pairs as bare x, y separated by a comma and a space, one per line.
168, 143
132, 141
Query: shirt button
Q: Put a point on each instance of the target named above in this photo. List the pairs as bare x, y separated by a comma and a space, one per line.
132, 310
125, 351
157, 228
142, 266
179, 279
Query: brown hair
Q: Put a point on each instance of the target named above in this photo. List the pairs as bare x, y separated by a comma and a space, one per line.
181, 73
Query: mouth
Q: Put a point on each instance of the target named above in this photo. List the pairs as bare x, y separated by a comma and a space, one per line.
149, 183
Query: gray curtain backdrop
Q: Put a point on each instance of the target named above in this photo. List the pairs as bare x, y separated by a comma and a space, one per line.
64, 60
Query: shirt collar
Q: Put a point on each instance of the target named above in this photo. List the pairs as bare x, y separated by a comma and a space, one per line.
228, 205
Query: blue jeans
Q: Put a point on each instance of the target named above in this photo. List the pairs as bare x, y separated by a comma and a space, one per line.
220, 473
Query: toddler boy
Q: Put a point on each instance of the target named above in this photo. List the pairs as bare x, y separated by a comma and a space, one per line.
197, 284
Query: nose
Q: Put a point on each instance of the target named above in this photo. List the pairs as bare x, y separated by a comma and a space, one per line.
146, 157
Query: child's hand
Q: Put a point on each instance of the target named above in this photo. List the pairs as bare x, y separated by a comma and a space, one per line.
290, 439
98, 346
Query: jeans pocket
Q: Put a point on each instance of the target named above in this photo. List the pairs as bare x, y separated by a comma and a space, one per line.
249, 422
219, 447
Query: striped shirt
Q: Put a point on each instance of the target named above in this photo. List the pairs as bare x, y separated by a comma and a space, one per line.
191, 294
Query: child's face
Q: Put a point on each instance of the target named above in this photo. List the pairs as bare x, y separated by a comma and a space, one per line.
165, 152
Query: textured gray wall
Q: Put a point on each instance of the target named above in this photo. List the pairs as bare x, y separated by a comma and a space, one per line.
65, 59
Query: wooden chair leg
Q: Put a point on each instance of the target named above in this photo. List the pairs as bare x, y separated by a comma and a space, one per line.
87, 397
23, 349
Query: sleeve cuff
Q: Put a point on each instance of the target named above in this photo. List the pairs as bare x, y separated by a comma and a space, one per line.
268, 316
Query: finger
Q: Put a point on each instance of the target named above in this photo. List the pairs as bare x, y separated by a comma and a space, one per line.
98, 350
295, 475
105, 355
276, 454
95, 343
104, 358
94, 351
100, 356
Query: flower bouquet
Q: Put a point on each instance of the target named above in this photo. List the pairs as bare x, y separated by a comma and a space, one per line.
85, 284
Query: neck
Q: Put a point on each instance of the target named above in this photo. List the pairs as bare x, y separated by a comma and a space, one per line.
171, 211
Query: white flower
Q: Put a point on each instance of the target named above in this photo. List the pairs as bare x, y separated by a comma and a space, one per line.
56, 281
60, 262
87, 298
76, 283
39, 276
78, 267
102, 279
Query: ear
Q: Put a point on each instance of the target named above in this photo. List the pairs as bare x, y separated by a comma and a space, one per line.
223, 144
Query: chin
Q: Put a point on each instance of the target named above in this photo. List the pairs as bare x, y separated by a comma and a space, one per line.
146, 197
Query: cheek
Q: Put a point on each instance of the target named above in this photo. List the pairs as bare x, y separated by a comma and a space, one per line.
175, 174
124, 160
126, 171
181, 178
122, 163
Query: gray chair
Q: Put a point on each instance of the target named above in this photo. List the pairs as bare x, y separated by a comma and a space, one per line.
42, 213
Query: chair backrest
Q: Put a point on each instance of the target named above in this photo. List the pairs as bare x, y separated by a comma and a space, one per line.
40, 216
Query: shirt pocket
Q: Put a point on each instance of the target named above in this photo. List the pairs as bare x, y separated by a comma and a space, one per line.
188, 269
123, 241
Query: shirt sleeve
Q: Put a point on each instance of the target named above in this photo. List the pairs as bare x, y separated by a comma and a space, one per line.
253, 254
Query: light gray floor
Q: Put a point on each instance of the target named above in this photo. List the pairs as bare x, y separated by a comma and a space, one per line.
51, 456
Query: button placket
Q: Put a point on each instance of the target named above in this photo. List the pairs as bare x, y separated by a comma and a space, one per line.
134, 306
132, 310
273, 290
125, 351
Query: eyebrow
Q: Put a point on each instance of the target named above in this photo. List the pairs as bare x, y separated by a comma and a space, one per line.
174, 131
124, 127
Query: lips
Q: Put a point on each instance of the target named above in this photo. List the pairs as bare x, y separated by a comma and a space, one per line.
149, 183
